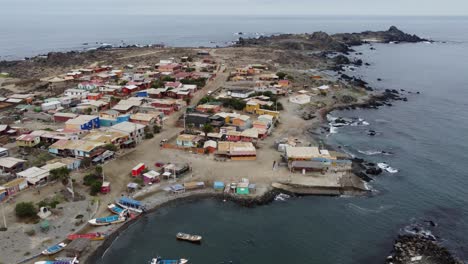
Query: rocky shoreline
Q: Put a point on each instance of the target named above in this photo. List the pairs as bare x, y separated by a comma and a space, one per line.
419, 249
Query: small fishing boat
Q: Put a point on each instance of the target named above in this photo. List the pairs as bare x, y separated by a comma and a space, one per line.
131, 204
113, 219
189, 237
90, 236
59, 261
115, 209
54, 249
159, 260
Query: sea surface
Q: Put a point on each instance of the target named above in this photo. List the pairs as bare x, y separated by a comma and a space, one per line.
427, 136
29, 35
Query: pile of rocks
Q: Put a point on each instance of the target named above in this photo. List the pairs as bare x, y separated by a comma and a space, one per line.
418, 249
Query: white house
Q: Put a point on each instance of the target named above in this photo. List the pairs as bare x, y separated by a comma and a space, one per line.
34, 175
135, 131
51, 105
241, 93
77, 93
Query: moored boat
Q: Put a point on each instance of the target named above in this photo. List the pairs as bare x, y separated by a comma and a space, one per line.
60, 261
189, 237
90, 236
113, 219
54, 249
159, 260
115, 209
131, 204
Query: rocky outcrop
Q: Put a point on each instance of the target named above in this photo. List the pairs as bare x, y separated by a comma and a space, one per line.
393, 34
324, 42
418, 249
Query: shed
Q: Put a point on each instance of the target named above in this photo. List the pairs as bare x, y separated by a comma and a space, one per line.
242, 190
177, 188
219, 186
105, 187
131, 187
151, 176
77, 247
138, 169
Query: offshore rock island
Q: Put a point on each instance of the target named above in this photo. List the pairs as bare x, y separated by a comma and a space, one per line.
157, 124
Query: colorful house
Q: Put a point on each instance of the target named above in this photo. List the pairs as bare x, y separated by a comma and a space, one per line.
28, 141
76, 148
83, 122
64, 117
209, 108
144, 119
15, 186
187, 141
94, 96
151, 177
242, 122
233, 135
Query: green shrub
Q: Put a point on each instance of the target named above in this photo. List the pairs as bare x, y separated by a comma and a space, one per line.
25, 209
95, 187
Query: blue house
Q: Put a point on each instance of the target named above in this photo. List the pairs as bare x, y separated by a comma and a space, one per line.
83, 122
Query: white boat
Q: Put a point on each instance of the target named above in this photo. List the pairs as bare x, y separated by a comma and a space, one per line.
189, 237
102, 221
159, 260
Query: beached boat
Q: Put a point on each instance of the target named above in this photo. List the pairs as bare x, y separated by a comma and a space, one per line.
60, 261
115, 209
159, 260
90, 236
131, 204
113, 219
189, 238
54, 249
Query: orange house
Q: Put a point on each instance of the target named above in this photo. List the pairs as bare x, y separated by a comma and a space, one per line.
94, 96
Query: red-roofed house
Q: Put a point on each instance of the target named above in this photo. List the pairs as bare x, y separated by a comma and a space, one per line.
172, 67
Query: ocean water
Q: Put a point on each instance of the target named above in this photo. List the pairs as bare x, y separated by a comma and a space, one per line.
428, 139
29, 35
427, 135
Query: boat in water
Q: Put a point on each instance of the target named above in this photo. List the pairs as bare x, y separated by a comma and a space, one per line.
115, 209
113, 219
131, 204
189, 237
59, 261
159, 260
54, 249
90, 236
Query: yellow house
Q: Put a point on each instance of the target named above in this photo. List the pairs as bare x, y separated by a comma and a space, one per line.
252, 107
27, 141
274, 114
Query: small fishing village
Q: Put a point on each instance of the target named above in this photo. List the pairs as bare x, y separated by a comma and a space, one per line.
101, 144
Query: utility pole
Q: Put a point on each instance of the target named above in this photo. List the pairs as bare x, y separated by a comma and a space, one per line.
4, 217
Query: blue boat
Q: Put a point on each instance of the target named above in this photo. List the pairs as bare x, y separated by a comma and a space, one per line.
113, 219
54, 249
131, 204
115, 209
159, 260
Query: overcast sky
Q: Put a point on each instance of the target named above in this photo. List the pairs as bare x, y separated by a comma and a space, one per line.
239, 7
